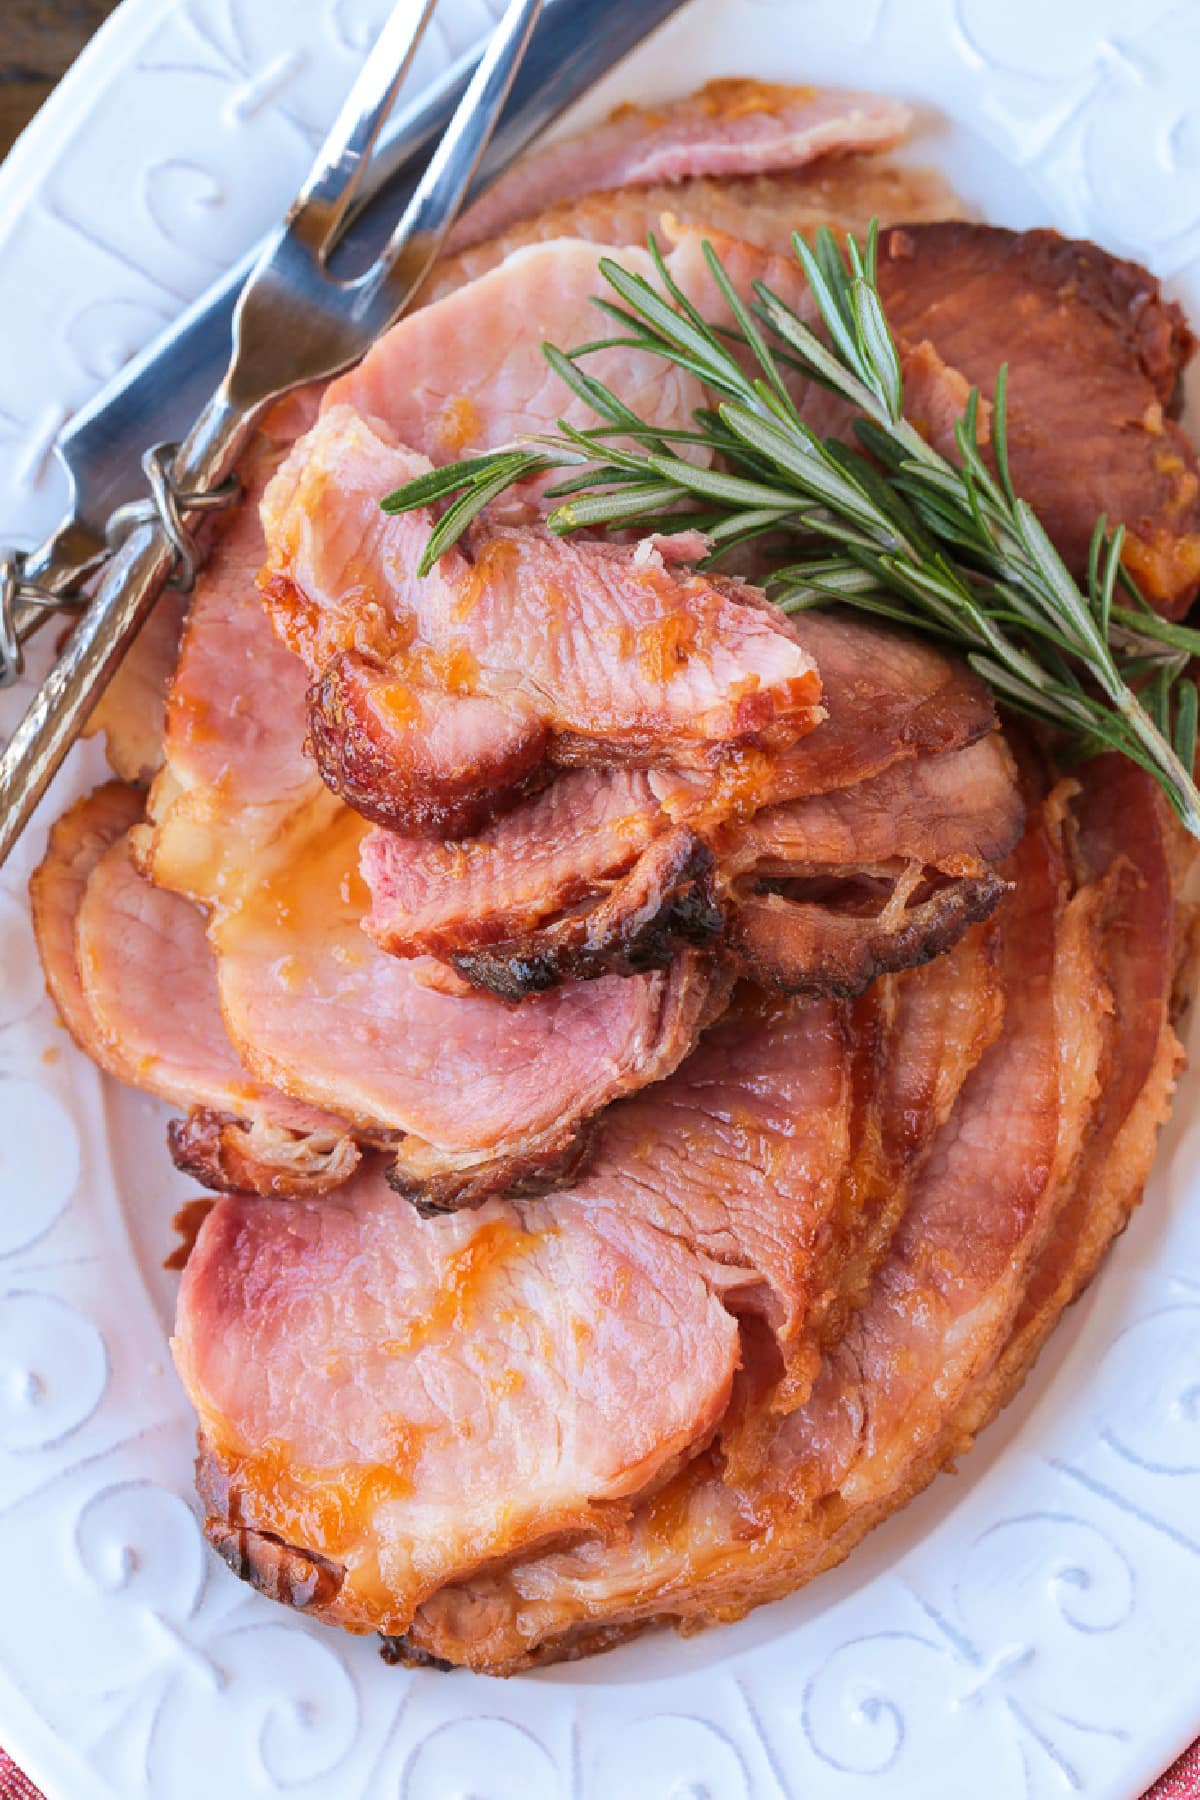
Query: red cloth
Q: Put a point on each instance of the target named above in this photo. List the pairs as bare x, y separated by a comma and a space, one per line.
14, 1785
1181, 1781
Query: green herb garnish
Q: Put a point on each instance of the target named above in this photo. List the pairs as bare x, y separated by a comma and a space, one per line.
892, 527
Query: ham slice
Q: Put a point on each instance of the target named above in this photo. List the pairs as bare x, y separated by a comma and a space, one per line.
587, 1334
730, 127
950, 1244
1094, 383
892, 697
441, 697
241, 823
130, 971
844, 192
826, 894
816, 895
469, 374
736, 1172
131, 711
402, 1399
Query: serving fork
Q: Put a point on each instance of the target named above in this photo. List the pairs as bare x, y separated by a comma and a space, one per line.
295, 322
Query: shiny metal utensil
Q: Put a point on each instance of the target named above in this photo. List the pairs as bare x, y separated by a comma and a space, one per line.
294, 323
158, 393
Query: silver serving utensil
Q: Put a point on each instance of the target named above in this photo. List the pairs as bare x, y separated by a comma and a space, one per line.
158, 393
295, 322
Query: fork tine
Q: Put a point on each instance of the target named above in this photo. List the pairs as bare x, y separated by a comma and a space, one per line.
435, 203
321, 204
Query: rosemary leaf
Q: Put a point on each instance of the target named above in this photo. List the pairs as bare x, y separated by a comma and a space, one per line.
895, 529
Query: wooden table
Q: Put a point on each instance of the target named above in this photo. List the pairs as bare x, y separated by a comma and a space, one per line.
38, 39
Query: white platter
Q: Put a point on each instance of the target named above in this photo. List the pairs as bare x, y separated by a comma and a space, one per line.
1028, 1627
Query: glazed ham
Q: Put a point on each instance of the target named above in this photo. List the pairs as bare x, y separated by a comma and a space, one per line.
241, 823
880, 1187
439, 699
132, 976
505, 1378
594, 875
729, 128
843, 192
832, 1043
469, 374
131, 712
573, 1333
1094, 383
488, 1099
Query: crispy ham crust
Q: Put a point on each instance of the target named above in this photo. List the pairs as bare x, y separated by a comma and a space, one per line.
1095, 383
816, 896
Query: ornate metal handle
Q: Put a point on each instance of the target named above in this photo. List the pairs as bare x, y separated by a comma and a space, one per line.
19, 598
158, 542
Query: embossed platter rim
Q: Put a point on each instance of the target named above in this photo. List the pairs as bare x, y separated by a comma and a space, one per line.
1022, 1628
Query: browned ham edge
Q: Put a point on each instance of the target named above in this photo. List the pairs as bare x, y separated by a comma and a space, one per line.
814, 947
130, 971
817, 896
667, 900
236, 1156
1094, 383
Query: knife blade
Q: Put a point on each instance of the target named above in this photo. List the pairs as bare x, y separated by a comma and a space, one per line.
156, 394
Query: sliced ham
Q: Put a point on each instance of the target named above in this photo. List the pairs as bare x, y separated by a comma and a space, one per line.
1126, 845
892, 697
130, 970
817, 895
542, 1360
397, 1400
1094, 383
531, 650
739, 1172
77, 842
826, 894
844, 192
469, 374
730, 127
937, 1314
234, 771
131, 711
487, 1098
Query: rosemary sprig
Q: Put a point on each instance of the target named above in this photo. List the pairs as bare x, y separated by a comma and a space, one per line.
891, 526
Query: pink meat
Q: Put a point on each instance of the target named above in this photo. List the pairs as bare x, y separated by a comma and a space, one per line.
567, 651
409, 1398
242, 822
730, 127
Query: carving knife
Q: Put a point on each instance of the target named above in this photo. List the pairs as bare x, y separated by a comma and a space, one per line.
156, 395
